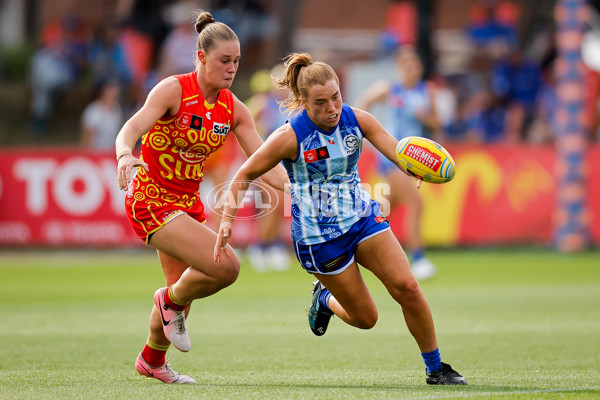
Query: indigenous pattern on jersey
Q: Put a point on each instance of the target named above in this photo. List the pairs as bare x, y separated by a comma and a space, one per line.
176, 149
327, 196
404, 104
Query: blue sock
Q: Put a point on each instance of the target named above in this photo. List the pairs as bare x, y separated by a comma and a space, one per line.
324, 299
433, 360
418, 254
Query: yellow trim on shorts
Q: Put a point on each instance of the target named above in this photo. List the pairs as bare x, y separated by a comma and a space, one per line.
138, 221
160, 225
153, 216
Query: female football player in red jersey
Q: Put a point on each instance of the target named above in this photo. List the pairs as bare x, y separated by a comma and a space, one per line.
184, 119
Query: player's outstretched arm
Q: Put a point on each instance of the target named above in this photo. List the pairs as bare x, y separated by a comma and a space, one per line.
245, 131
279, 146
375, 133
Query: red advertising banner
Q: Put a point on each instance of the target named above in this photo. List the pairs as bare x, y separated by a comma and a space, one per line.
61, 197
501, 195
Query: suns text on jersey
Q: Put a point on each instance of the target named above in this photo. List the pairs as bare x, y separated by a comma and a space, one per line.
179, 169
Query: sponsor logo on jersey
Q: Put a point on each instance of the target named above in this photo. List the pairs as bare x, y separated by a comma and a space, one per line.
191, 103
191, 121
424, 156
318, 154
207, 115
379, 219
220, 129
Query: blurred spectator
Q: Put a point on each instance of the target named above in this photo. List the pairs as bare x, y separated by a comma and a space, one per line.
463, 87
411, 112
516, 81
494, 22
175, 54
251, 19
107, 57
410, 102
102, 119
270, 250
264, 104
485, 118
144, 33
254, 25
445, 100
139, 55
400, 26
542, 130
55, 67
146, 17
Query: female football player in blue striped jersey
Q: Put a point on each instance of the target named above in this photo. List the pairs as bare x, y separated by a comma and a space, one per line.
336, 225
411, 111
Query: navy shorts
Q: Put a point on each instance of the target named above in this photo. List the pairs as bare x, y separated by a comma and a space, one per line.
334, 256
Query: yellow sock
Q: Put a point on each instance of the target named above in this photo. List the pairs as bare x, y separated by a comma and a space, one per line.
159, 347
174, 298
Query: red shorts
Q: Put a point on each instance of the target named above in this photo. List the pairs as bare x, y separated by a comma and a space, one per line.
146, 218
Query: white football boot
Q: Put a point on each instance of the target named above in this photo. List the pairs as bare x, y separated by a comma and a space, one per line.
173, 322
423, 269
164, 373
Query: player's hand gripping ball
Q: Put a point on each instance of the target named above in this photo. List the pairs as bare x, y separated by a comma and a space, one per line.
425, 159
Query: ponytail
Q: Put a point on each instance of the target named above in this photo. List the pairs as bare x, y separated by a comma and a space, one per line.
300, 75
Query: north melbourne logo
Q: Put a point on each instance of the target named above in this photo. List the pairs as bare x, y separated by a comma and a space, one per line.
351, 142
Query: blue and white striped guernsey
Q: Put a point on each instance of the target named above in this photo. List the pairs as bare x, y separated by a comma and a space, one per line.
327, 197
404, 105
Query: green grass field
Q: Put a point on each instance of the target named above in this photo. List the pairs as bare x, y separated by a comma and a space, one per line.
519, 324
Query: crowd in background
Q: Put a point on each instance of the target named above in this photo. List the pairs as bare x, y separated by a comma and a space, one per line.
502, 91
515, 95
505, 95
122, 58
506, 92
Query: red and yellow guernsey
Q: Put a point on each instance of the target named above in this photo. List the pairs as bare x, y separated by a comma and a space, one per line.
175, 150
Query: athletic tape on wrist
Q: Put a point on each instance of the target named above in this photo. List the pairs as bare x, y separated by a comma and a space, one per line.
123, 153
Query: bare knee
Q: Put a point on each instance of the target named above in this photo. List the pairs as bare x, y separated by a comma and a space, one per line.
232, 272
366, 320
406, 292
227, 273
